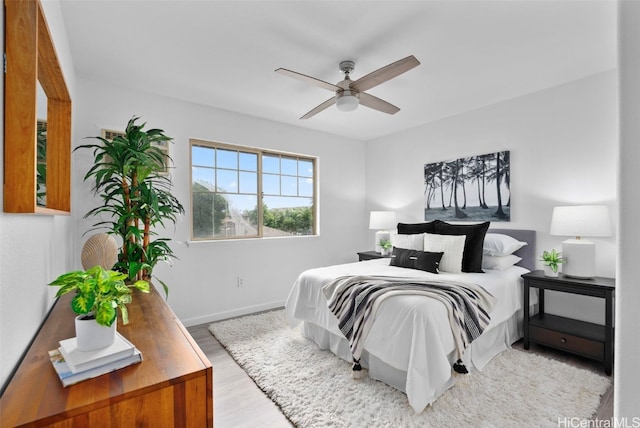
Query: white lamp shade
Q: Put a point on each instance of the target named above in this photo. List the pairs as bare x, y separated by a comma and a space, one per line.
347, 101
578, 221
382, 220
581, 220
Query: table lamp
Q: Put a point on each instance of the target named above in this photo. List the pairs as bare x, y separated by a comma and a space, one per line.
382, 221
578, 221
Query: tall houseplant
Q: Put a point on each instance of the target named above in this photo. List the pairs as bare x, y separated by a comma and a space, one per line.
136, 197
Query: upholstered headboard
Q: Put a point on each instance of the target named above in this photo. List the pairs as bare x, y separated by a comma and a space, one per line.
528, 252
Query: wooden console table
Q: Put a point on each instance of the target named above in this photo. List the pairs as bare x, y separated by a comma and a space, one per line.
172, 386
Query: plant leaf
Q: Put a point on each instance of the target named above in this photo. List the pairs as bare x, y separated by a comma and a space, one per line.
141, 285
83, 303
105, 313
164, 287
124, 313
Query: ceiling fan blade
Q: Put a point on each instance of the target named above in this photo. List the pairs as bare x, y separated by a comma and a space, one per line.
377, 104
385, 73
308, 79
331, 101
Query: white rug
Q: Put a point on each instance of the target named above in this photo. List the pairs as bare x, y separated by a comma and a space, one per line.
314, 387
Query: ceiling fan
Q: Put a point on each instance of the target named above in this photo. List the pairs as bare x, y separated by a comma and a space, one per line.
350, 93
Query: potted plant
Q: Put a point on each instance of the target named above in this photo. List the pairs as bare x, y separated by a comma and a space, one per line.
130, 178
551, 261
99, 295
385, 247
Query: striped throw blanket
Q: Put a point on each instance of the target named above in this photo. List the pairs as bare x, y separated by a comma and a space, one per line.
354, 300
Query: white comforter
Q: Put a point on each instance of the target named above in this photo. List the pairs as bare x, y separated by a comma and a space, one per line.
411, 333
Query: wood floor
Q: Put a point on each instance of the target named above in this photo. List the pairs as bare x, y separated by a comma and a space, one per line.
239, 403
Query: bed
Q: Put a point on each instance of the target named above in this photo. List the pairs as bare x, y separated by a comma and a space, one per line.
410, 345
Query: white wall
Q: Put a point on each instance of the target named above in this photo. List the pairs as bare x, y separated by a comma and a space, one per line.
203, 282
627, 375
34, 249
563, 144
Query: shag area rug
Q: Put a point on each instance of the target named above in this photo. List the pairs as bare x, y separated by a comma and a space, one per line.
314, 387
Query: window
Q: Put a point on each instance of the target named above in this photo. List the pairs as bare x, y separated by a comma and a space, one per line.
241, 192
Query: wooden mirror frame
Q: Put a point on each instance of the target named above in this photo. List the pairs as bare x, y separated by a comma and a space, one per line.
31, 57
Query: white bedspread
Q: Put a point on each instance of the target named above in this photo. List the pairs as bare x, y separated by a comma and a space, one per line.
412, 333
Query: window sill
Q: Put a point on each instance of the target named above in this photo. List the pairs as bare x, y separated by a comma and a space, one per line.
267, 238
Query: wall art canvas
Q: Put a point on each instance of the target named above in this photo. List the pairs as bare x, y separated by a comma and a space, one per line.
474, 188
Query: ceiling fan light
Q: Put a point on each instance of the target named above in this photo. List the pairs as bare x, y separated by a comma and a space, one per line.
347, 100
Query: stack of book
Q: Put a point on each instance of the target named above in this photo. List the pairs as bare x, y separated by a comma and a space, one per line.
73, 366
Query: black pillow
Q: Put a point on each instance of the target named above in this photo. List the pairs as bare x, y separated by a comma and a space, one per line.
472, 254
414, 259
414, 228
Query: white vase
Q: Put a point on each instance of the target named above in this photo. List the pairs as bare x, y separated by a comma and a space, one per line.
549, 272
91, 336
385, 251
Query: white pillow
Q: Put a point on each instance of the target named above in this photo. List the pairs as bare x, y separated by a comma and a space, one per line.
497, 244
499, 262
451, 245
410, 242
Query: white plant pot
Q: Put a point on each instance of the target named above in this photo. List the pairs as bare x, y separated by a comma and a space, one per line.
549, 272
385, 251
91, 336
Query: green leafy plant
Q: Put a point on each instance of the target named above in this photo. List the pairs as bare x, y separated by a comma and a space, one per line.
385, 243
552, 259
99, 292
129, 174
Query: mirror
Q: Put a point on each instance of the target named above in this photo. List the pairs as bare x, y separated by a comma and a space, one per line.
31, 58
41, 147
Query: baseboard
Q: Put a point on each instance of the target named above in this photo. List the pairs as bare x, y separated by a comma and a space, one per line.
219, 316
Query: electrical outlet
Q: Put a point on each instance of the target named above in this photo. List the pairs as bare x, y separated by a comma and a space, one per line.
240, 281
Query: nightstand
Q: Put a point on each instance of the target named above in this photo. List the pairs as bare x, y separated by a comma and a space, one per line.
370, 255
582, 338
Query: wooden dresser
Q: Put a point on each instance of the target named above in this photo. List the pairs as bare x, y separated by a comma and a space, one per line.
172, 386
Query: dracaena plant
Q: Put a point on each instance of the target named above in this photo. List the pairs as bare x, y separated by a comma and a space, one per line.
128, 174
99, 292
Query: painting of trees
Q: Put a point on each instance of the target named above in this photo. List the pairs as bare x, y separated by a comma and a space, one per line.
475, 188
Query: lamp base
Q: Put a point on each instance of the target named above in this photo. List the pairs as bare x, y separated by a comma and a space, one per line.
580, 258
380, 235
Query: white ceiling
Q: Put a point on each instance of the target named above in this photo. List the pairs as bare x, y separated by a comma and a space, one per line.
223, 53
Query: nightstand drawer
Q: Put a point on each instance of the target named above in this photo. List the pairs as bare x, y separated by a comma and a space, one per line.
567, 342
